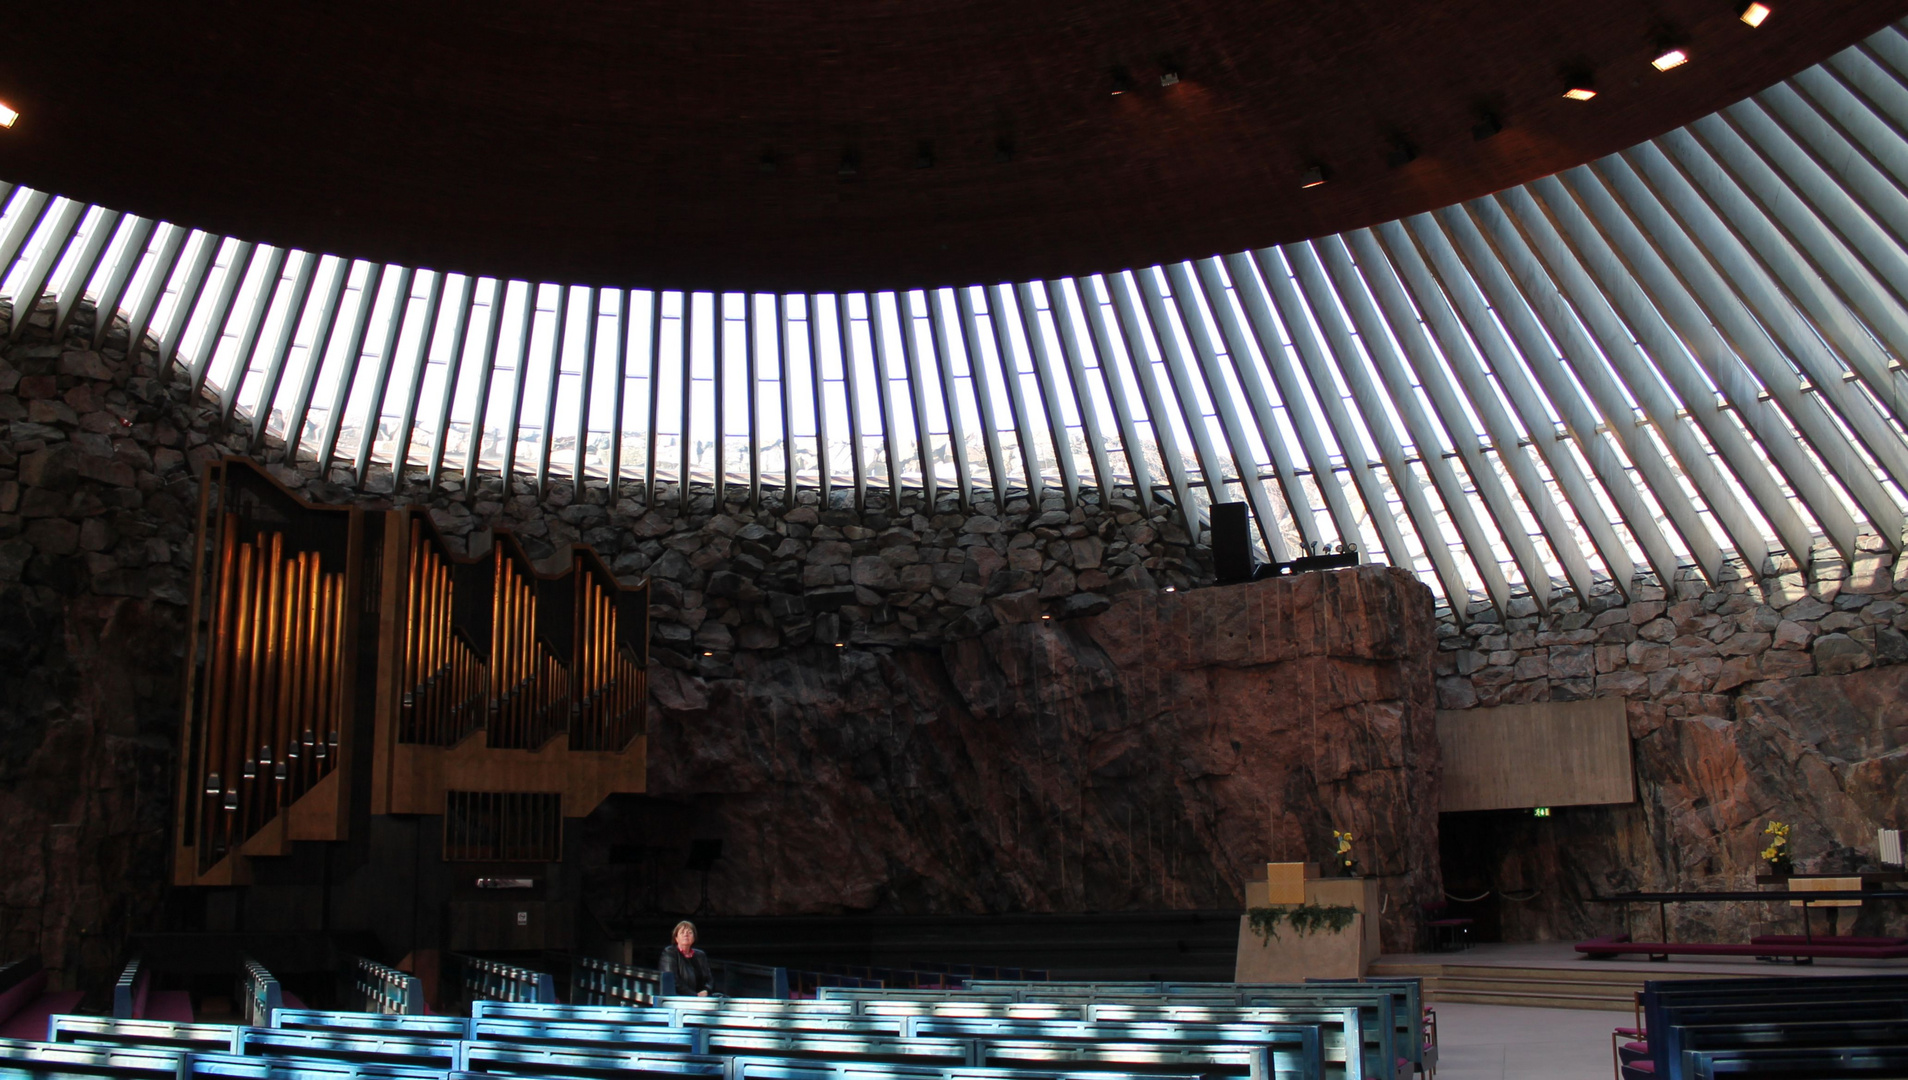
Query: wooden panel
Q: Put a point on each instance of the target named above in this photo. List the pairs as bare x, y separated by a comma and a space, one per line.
1546, 753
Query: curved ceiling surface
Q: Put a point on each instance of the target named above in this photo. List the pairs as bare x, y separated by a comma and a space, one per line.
745, 144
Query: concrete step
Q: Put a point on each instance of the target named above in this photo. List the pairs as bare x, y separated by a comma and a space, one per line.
1540, 987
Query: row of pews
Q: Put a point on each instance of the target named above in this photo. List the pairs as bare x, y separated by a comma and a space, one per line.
1819, 1027
992, 1030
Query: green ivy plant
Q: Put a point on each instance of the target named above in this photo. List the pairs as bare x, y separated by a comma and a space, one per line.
1302, 918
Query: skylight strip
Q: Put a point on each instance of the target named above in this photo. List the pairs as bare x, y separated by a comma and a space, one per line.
917, 393
380, 383
950, 397
461, 330
1383, 274
1041, 361
1492, 263
971, 331
1478, 545
352, 354
1094, 315
1597, 321
999, 303
26, 210
1622, 284
146, 294
280, 348
1749, 284
138, 232
1080, 384
1787, 256
1238, 446
884, 376
85, 261
1244, 352
325, 324
1521, 401
53, 237
1370, 411
546, 441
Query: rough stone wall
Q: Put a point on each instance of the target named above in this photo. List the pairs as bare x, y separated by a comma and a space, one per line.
1748, 701
966, 711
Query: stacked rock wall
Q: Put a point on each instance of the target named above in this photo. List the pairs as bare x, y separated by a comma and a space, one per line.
1749, 701
896, 708
963, 752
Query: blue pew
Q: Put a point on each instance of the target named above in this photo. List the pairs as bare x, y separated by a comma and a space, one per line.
391, 1048
442, 1027
157, 1034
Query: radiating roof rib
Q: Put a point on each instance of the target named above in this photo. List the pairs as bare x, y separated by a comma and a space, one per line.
1687, 353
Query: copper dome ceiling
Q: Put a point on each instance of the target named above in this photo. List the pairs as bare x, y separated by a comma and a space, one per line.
743, 144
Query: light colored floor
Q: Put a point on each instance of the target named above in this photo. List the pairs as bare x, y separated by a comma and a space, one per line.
1503, 1042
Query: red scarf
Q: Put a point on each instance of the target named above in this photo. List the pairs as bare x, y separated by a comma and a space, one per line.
690, 951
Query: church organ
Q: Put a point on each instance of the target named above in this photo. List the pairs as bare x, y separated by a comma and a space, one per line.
343, 657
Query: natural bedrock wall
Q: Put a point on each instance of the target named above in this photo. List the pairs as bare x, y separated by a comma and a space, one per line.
1783, 698
1151, 756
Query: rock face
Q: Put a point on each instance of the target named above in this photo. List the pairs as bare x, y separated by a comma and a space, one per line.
961, 751
1748, 701
1147, 757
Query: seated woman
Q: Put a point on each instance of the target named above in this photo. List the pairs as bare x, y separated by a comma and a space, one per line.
687, 963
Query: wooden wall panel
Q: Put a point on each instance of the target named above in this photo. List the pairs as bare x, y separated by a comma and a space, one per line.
1546, 753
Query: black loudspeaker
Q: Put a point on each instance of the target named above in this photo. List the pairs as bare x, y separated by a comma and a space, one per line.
703, 855
1231, 543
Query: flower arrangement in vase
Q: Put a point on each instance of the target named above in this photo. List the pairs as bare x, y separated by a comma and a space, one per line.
1776, 854
1343, 856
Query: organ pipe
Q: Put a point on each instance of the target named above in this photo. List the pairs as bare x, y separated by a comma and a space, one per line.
271, 674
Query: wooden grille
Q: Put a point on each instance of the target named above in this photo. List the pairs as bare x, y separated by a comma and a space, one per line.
503, 826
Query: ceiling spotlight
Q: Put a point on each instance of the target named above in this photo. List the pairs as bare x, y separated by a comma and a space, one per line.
850, 164
1047, 618
1488, 124
708, 654
1169, 588
1401, 153
924, 156
7, 115
1311, 178
1122, 81
768, 162
1003, 150
1669, 57
841, 644
1753, 13
1168, 71
1578, 86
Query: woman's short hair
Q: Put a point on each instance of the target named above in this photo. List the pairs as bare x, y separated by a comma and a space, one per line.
680, 927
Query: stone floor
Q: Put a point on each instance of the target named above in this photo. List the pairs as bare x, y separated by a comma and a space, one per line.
1504, 1042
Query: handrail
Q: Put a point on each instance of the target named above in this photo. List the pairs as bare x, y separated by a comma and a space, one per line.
260, 995
492, 980
606, 982
380, 988
129, 993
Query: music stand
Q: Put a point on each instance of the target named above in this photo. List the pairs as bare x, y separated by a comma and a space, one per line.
702, 856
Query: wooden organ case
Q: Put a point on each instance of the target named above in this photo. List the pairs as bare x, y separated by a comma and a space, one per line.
269, 702
348, 664
503, 679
